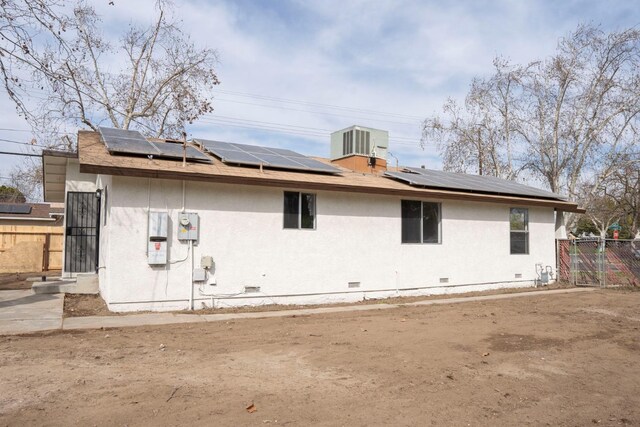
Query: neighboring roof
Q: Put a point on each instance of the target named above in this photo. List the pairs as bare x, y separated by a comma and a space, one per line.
473, 183
30, 211
54, 166
94, 158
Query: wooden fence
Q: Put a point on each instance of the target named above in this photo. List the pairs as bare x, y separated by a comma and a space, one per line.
25, 248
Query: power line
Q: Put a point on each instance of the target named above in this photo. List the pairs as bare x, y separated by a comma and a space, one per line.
317, 112
10, 141
308, 134
293, 127
9, 153
316, 104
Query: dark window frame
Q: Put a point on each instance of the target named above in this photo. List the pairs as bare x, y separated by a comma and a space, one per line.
419, 237
299, 213
522, 233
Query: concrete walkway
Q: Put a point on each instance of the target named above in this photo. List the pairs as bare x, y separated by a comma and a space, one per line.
24, 312
93, 322
21, 311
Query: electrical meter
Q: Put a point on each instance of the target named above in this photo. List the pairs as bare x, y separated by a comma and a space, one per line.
188, 225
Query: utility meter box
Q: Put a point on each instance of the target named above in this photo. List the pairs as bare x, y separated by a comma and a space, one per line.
206, 261
188, 226
158, 232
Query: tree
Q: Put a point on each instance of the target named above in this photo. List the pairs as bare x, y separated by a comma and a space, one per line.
573, 115
627, 178
10, 194
478, 137
61, 71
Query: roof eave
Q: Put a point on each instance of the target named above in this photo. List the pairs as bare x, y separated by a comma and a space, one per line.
274, 182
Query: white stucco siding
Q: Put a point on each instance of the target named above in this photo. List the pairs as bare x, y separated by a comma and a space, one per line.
357, 239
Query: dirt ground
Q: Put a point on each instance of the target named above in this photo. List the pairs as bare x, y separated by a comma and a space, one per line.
80, 305
570, 359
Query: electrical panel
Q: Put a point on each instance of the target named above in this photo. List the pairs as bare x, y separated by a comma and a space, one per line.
188, 226
158, 232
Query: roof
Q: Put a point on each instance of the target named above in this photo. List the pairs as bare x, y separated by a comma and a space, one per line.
94, 158
30, 211
54, 166
474, 183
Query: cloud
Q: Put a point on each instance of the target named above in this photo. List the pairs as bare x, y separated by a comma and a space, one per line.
402, 57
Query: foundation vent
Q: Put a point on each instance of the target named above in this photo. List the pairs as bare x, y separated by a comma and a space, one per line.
444, 280
251, 289
518, 275
354, 284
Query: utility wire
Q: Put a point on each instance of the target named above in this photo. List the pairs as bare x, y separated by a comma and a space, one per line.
316, 104
295, 127
416, 123
10, 141
9, 153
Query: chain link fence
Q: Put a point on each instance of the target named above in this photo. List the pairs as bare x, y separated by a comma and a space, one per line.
599, 262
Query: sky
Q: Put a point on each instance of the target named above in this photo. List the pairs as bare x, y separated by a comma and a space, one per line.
292, 71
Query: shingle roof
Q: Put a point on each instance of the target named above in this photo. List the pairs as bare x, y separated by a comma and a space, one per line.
38, 210
94, 158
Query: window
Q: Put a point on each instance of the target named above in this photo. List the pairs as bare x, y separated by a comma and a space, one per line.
420, 222
299, 210
519, 226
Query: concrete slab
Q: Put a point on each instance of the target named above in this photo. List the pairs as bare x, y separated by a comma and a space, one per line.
21, 311
499, 296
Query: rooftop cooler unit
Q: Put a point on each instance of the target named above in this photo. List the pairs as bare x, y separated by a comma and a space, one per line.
359, 140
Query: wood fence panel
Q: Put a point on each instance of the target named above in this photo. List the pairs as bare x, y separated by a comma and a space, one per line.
25, 248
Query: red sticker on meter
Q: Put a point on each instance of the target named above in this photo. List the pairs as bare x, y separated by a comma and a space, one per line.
157, 246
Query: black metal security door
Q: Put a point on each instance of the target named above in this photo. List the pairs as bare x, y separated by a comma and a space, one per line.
82, 232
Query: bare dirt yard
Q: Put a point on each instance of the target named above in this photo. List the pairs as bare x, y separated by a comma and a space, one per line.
569, 359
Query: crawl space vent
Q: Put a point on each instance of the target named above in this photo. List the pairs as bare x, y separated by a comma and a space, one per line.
251, 289
444, 280
518, 275
354, 284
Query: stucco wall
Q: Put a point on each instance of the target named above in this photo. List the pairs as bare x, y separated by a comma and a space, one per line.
357, 238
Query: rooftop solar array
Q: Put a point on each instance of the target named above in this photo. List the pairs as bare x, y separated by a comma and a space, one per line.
10, 208
243, 154
121, 141
472, 183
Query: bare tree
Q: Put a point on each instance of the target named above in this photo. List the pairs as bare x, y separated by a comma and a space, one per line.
627, 179
573, 118
580, 108
603, 206
61, 72
478, 137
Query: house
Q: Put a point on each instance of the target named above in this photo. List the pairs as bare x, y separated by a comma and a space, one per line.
167, 225
31, 214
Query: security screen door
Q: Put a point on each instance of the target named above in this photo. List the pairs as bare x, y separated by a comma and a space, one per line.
82, 232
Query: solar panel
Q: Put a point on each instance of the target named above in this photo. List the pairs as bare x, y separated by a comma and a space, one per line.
122, 141
244, 154
10, 208
458, 181
175, 151
127, 142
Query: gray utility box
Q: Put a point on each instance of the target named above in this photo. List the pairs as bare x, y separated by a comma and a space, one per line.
158, 232
188, 226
